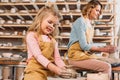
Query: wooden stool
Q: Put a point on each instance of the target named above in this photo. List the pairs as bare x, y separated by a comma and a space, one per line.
116, 73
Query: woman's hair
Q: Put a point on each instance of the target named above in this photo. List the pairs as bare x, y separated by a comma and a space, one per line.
92, 4
43, 12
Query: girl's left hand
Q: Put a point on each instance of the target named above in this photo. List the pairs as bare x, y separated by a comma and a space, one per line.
57, 70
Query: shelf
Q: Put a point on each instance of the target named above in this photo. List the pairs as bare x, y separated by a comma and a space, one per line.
15, 25
66, 25
102, 37
34, 13
103, 41
104, 25
95, 37
9, 36
13, 47
61, 37
40, 3
106, 30
28, 10
18, 14
96, 26
63, 48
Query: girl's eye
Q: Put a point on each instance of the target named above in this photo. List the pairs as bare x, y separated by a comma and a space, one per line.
54, 25
98, 10
50, 22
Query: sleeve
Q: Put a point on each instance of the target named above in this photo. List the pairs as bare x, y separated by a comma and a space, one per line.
33, 48
80, 32
58, 60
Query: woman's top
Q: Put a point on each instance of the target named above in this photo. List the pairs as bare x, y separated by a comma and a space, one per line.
79, 32
33, 49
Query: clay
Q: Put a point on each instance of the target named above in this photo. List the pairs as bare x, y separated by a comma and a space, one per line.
71, 73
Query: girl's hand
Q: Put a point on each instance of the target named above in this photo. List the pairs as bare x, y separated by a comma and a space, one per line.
57, 70
63, 71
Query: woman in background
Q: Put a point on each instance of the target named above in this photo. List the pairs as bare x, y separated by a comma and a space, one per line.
81, 48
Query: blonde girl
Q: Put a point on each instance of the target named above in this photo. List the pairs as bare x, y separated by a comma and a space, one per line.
43, 55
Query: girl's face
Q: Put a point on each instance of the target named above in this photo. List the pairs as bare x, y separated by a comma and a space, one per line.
95, 12
48, 24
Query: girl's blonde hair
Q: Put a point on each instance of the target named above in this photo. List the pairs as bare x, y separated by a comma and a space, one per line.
43, 12
92, 4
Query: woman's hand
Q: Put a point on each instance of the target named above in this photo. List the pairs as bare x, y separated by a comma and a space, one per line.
110, 49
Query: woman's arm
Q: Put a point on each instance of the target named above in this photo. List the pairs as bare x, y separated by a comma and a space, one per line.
108, 49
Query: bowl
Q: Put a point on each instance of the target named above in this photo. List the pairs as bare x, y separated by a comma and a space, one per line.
8, 55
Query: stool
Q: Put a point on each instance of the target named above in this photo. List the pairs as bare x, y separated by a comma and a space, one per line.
116, 73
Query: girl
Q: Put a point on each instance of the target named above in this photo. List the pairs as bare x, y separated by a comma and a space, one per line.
80, 43
42, 48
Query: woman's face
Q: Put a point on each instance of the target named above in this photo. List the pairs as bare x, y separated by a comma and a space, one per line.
95, 12
48, 24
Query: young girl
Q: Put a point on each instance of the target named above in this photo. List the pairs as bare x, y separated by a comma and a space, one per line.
42, 48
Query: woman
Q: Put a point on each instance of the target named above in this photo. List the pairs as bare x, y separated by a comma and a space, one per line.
80, 52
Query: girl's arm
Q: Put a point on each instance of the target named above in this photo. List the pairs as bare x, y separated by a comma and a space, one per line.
34, 50
58, 61
59, 66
